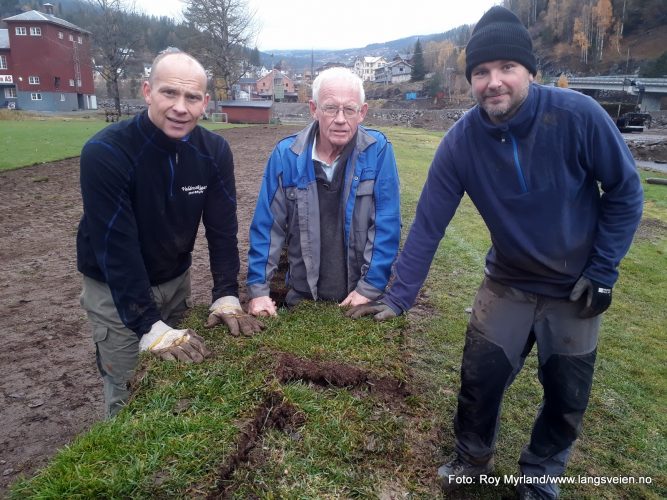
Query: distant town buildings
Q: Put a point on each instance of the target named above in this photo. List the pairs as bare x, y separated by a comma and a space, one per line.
397, 71
276, 85
365, 66
46, 65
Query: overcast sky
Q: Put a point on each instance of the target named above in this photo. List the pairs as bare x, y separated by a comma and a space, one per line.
343, 24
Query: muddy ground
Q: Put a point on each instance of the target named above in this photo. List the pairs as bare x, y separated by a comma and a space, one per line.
50, 390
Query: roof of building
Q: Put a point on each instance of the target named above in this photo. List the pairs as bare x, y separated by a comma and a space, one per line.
396, 63
36, 16
4, 39
246, 104
371, 59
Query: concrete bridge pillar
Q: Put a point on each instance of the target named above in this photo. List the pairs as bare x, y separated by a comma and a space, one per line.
650, 102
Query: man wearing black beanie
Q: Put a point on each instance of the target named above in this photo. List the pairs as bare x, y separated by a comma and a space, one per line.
557, 187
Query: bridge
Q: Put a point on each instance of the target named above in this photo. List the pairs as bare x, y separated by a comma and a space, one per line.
651, 90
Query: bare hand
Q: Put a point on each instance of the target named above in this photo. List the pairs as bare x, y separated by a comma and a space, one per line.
262, 306
354, 299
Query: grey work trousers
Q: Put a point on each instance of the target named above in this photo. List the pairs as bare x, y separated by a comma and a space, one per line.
117, 347
504, 325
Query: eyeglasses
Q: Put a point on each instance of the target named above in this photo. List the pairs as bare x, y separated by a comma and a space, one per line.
348, 111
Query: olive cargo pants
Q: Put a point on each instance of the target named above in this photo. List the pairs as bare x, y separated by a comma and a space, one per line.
117, 347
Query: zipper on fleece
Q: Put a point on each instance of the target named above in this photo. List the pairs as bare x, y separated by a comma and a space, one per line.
517, 163
172, 164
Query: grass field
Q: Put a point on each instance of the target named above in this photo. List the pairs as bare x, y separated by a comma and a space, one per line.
31, 141
177, 437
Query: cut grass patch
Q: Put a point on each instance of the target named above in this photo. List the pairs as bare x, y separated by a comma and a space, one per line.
42, 140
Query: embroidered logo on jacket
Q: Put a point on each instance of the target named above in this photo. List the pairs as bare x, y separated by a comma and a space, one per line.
198, 189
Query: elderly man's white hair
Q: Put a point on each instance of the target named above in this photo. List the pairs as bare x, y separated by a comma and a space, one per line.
338, 73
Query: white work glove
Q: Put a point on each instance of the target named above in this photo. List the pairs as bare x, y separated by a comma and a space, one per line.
171, 344
228, 310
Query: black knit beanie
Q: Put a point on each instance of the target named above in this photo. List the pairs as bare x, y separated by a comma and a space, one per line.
499, 34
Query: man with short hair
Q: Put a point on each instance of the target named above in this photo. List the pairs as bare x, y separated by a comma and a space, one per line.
330, 194
146, 183
531, 159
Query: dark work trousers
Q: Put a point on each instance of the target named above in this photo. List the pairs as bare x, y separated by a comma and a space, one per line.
505, 324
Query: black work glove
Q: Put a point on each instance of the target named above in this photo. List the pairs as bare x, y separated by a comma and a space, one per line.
598, 297
227, 310
377, 309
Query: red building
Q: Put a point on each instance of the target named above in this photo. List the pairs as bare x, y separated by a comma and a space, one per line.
45, 64
277, 86
247, 111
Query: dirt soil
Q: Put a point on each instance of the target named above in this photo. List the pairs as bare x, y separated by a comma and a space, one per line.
50, 390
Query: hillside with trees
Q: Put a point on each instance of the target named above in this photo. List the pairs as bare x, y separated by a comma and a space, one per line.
582, 37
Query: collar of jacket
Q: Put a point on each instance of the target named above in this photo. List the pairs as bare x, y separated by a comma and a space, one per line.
157, 137
520, 124
304, 140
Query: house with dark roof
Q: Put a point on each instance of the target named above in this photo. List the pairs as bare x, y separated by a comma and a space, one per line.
397, 71
45, 64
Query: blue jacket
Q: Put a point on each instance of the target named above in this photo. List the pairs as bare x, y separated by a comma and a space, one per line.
287, 213
144, 196
534, 180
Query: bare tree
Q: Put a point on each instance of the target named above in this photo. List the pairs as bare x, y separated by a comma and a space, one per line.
115, 40
227, 30
603, 18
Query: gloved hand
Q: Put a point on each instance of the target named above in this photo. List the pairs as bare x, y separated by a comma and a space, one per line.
598, 297
170, 344
377, 309
228, 310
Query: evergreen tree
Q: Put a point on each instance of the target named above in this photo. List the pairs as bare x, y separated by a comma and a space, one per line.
657, 68
254, 58
418, 69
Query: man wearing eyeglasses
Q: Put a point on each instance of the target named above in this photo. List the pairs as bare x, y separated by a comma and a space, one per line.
330, 194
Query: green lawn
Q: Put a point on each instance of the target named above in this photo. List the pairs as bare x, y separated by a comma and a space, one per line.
185, 422
31, 141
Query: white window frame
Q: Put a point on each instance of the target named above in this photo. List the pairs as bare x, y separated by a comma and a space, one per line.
21, 31
61, 35
36, 96
79, 39
35, 31
33, 80
78, 83
62, 98
10, 92
71, 82
71, 38
3, 62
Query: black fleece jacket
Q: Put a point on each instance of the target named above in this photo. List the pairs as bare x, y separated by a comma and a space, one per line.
144, 196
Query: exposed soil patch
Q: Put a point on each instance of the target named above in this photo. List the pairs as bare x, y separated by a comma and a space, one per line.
652, 149
274, 413
330, 373
651, 229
